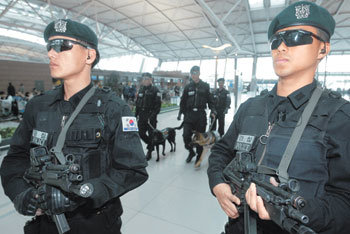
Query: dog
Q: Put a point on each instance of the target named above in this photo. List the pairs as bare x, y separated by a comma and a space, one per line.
159, 137
207, 140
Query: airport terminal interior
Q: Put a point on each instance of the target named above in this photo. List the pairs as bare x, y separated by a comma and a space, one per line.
225, 38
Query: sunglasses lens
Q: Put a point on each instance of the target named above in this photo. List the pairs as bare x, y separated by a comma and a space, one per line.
291, 38
275, 42
59, 45
66, 45
296, 38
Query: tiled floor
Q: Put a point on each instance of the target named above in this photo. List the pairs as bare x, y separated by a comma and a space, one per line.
175, 200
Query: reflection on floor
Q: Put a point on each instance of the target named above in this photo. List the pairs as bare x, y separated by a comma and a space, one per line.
175, 200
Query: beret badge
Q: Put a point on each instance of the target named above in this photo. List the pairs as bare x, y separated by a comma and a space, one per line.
302, 11
61, 26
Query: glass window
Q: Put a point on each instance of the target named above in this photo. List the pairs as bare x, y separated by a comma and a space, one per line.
169, 66
256, 4
277, 2
185, 66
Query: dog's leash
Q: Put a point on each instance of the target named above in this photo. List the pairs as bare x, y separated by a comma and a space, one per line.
212, 123
149, 123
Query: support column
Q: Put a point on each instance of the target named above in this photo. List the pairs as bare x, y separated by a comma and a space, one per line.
254, 82
142, 63
235, 86
159, 64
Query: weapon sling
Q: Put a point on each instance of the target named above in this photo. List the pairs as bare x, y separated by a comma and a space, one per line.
60, 219
296, 135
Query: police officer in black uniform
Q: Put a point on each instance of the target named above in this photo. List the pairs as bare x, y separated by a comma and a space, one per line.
194, 100
102, 140
222, 103
148, 105
299, 39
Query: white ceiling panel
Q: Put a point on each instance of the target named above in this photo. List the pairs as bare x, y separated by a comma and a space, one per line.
165, 29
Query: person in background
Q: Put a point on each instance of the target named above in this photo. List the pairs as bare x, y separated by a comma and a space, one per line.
299, 38
222, 102
102, 141
21, 88
194, 100
126, 92
132, 92
11, 91
177, 90
148, 105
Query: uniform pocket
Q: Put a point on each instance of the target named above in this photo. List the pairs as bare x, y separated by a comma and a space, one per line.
86, 131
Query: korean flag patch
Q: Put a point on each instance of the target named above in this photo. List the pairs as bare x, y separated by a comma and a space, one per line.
129, 124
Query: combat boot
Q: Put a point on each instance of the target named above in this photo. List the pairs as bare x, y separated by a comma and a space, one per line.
190, 156
149, 155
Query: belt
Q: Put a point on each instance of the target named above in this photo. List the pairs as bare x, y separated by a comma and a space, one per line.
112, 206
146, 109
197, 109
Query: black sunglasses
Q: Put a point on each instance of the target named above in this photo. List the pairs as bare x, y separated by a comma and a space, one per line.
293, 38
60, 45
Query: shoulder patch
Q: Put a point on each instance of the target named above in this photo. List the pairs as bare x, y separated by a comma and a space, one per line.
129, 124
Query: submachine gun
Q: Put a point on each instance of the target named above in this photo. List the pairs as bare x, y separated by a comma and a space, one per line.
282, 202
66, 177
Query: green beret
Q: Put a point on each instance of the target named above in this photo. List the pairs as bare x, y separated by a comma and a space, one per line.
195, 70
73, 29
303, 13
221, 79
146, 74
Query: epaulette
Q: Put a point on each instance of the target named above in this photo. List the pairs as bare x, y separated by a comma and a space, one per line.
57, 86
334, 94
264, 92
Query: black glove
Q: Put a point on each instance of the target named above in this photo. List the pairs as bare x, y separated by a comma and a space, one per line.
26, 203
179, 116
54, 201
225, 111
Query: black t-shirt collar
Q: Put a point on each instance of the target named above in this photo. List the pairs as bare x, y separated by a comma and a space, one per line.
75, 99
298, 97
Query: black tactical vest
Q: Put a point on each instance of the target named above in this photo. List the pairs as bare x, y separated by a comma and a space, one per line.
197, 95
87, 138
220, 99
146, 97
309, 163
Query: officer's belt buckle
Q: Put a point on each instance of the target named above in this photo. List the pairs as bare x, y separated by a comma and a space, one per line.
195, 109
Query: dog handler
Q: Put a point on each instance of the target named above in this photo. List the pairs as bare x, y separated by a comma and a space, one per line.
148, 105
222, 103
299, 38
194, 100
103, 140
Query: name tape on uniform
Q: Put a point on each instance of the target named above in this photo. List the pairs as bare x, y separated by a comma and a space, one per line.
39, 137
244, 142
129, 124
